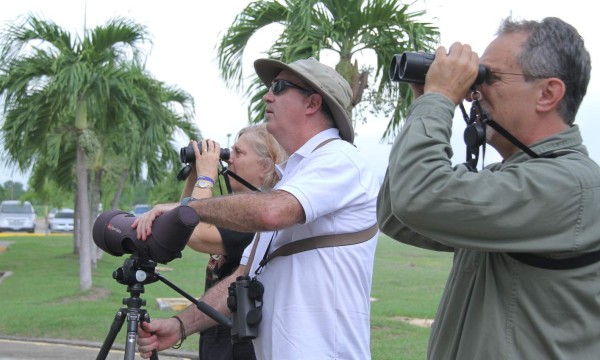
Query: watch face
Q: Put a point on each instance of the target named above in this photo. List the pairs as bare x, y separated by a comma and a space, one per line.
204, 184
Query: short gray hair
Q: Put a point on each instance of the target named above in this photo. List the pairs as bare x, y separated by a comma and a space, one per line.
554, 49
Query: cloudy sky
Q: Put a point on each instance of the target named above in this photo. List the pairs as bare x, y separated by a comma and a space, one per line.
185, 33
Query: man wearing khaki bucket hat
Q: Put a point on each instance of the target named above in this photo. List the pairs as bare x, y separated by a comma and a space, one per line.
333, 88
316, 301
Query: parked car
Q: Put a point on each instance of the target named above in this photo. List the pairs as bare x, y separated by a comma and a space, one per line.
63, 221
139, 209
17, 215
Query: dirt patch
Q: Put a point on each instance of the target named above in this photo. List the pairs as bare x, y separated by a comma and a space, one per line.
415, 321
4, 246
4, 274
94, 294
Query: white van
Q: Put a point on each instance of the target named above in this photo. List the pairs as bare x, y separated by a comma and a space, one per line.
17, 215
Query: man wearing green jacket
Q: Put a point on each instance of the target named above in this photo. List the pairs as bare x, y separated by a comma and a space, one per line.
525, 281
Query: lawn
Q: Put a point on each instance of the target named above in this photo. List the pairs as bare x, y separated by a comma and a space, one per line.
41, 298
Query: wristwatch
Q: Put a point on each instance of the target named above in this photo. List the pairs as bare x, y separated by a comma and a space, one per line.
187, 200
204, 184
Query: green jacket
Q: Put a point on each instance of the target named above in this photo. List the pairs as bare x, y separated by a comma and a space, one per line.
493, 306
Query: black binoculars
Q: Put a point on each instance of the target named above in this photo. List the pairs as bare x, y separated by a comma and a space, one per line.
412, 67
186, 154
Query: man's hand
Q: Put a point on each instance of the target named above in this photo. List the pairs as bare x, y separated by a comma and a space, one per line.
158, 335
144, 222
454, 73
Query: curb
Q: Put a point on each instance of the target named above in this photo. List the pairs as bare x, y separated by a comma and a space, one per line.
95, 345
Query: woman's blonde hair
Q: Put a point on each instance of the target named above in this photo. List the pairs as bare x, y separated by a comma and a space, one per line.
268, 150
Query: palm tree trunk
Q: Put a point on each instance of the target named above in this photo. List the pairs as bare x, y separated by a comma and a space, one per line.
83, 203
85, 258
117, 197
76, 229
94, 211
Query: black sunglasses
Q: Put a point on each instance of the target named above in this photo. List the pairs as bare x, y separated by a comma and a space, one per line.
280, 85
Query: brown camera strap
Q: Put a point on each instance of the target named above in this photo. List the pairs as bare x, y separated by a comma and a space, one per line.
324, 241
314, 243
251, 257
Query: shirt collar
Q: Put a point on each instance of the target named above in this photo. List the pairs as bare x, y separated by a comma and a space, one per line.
568, 139
309, 147
313, 142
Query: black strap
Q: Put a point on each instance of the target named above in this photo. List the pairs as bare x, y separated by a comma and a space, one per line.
557, 264
226, 172
511, 138
475, 136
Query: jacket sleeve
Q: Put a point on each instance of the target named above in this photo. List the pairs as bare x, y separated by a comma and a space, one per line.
396, 229
535, 205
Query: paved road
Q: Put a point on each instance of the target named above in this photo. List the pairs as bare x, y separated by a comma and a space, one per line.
12, 348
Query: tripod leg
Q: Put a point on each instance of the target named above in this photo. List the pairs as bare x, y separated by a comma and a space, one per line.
134, 317
115, 327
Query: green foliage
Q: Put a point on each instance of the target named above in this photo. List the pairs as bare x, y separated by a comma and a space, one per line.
63, 93
135, 193
45, 301
167, 191
350, 28
71, 105
11, 190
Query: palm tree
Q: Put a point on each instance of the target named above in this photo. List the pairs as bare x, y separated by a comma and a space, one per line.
64, 96
129, 147
346, 27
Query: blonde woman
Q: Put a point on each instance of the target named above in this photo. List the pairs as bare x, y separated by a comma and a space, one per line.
252, 157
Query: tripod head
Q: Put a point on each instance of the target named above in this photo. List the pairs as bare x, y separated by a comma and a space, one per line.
136, 270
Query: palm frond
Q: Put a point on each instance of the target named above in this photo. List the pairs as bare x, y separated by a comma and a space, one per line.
230, 51
34, 34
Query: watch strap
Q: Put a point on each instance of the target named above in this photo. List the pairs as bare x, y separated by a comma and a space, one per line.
187, 200
203, 184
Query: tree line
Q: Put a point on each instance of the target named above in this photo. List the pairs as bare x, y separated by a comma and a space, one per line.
88, 119
142, 192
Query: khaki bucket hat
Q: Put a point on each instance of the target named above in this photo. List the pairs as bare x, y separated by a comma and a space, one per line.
334, 89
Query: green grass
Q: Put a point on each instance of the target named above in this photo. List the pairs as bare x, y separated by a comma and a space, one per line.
41, 298
407, 282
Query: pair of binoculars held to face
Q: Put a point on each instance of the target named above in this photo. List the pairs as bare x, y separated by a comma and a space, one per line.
412, 67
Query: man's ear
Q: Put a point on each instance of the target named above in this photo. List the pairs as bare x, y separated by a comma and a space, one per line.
552, 91
314, 102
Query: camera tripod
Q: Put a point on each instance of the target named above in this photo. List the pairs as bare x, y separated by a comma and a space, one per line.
134, 273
